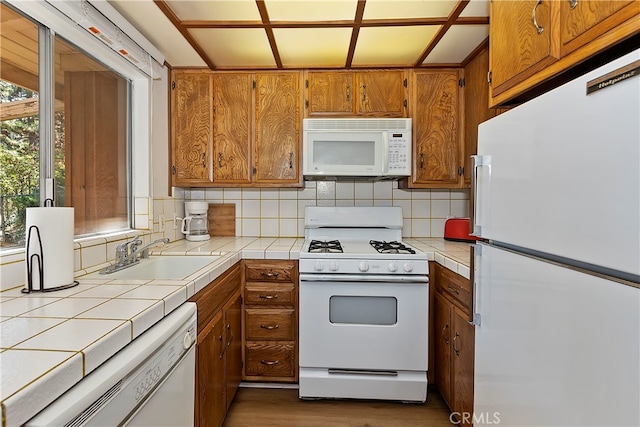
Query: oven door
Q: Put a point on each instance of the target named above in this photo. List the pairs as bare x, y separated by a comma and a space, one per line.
375, 323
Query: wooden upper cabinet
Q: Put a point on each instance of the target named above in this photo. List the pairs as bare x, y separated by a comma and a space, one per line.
381, 93
277, 132
584, 20
363, 93
525, 54
330, 92
232, 98
436, 129
236, 129
191, 136
518, 47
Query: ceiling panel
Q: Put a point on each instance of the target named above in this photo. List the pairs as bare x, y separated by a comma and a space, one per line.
389, 46
306, 10
230, 47
313, 47
476, 8
456, 44
250, 34
217, 10
387, 9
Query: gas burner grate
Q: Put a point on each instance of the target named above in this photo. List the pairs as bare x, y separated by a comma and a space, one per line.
391, 247
332, 246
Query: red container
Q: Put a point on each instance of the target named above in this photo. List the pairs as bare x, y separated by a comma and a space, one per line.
457, 229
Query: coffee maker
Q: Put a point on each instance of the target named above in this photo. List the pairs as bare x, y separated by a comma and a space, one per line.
194, 223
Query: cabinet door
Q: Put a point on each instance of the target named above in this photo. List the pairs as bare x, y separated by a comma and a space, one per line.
443, 335
277, 132
518, 48
191, 136
380, 93
210, 379
330, 92
463, 343
585, 20
476, 106
437, 131
232, 95
233, 342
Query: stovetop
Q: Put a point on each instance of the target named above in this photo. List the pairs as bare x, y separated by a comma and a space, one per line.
358, 240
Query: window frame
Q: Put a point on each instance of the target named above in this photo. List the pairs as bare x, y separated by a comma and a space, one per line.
51, 23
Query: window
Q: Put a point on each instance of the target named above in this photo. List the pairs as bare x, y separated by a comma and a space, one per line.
82, 142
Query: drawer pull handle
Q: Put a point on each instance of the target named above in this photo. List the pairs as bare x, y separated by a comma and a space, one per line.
275, 296
454, 290
272, 274
269, 362
270, 327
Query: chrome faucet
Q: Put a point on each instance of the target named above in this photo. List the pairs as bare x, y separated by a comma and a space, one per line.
129, 253
144, 251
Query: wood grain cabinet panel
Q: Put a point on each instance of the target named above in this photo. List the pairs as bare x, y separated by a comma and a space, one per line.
518, 48
528, 53
330, 92
437, 133
454, 341
270, 320
369, 93
218, 347
236, 129
191, 132
271, 361
277, 128
232, 98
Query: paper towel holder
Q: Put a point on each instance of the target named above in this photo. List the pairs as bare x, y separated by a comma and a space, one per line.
39, 258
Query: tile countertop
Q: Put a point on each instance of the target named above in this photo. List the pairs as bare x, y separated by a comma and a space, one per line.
50, 341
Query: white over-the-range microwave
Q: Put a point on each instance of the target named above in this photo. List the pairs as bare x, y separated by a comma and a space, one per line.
356, 147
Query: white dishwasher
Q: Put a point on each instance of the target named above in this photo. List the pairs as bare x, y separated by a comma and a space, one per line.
150, 382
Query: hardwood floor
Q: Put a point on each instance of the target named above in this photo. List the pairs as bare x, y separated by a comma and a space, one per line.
263, 407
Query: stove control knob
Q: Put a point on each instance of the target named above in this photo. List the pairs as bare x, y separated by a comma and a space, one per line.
318, 266
363, 266
408, 267
393, 266
333, 266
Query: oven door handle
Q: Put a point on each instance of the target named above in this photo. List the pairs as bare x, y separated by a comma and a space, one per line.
417, 279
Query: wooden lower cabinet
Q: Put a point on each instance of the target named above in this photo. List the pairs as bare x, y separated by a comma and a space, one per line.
454, 341
270, 320
218, 347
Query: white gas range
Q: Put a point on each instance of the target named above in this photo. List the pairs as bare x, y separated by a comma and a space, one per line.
363, 307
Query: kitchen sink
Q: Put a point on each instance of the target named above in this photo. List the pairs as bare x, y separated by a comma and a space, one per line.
160, 267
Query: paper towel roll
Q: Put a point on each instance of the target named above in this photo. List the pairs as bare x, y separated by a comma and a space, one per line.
56, 233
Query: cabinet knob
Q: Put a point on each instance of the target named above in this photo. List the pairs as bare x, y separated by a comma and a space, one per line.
275, 296
269, 362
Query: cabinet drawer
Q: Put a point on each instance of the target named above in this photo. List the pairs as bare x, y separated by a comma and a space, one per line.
455, 286
269, 272
269, 294
274, 325
270, 360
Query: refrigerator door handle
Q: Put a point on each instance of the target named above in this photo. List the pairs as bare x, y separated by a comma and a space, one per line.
476, 251
478, 162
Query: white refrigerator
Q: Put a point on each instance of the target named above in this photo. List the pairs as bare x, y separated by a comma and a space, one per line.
557, 274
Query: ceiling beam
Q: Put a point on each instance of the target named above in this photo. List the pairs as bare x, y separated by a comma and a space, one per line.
443, 30
168, 12
269, 30
357, 22
481, 20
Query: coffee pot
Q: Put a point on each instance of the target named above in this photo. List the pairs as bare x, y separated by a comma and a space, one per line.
195, 224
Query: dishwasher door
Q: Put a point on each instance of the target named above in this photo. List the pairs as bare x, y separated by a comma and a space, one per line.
150, 382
